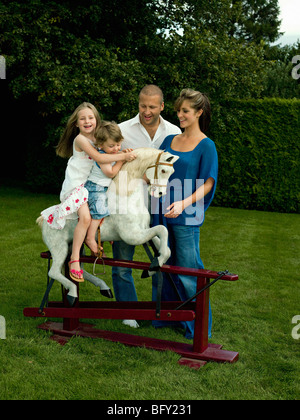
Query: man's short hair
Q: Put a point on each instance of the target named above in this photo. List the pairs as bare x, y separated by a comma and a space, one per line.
152, 90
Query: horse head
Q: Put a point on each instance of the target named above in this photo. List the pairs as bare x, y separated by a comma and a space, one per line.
160, 172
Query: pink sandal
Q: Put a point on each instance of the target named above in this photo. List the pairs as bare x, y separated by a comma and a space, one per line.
77, 273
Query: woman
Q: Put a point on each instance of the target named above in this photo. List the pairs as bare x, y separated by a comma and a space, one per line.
190, 192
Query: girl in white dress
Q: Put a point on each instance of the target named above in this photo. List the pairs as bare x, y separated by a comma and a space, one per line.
78, 143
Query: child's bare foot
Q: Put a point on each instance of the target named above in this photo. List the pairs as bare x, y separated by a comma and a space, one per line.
92, 244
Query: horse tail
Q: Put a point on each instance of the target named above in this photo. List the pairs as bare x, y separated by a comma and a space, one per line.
39, 221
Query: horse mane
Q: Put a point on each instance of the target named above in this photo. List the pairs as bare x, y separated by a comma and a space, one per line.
145, 156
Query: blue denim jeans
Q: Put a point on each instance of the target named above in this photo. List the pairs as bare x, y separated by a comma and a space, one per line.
123, 282
97, 200
185, 252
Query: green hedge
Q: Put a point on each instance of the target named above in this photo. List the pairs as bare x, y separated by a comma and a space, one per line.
258, 147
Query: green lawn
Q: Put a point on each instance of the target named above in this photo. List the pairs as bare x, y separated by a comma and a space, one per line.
252, 316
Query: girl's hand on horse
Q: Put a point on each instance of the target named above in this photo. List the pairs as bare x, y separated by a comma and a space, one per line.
129, 156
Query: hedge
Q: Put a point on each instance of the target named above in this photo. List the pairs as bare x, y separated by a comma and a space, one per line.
258, 147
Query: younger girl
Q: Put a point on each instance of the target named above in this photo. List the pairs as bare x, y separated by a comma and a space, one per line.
110, 138
78, 143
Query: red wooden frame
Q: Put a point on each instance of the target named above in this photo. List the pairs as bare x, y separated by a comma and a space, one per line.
193, 355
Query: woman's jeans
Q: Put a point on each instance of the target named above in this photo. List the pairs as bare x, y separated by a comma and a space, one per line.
185, 252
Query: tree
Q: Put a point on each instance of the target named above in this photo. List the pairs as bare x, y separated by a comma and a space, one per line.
60, 53
53, 65
249, 20
57, 63
258, 20
279, 82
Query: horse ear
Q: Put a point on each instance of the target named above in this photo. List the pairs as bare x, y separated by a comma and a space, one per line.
170, 159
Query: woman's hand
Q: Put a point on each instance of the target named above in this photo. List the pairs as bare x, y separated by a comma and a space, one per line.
175, 209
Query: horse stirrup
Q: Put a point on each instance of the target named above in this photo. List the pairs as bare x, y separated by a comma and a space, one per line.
94, 266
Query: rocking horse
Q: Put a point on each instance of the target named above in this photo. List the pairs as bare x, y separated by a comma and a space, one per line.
129, 218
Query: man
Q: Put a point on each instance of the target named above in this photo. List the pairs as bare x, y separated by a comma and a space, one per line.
147, 129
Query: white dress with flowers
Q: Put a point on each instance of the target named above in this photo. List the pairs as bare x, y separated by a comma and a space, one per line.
73, 194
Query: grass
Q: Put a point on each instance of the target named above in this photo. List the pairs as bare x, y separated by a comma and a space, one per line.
252, 316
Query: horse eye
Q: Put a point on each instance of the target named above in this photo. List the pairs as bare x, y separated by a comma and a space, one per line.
163, 171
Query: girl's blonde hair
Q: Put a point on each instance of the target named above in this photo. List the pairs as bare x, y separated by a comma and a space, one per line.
107, 130
65, 146
198, 101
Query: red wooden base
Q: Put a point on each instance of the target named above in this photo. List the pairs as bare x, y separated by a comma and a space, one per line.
193, 355
213, 352
191, 363
115, 310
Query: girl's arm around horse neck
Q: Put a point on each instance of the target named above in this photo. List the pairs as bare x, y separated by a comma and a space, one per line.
83, 144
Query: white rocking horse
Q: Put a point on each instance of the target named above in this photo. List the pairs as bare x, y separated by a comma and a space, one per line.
129, 219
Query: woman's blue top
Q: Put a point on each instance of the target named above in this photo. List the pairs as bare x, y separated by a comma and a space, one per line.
192, 170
